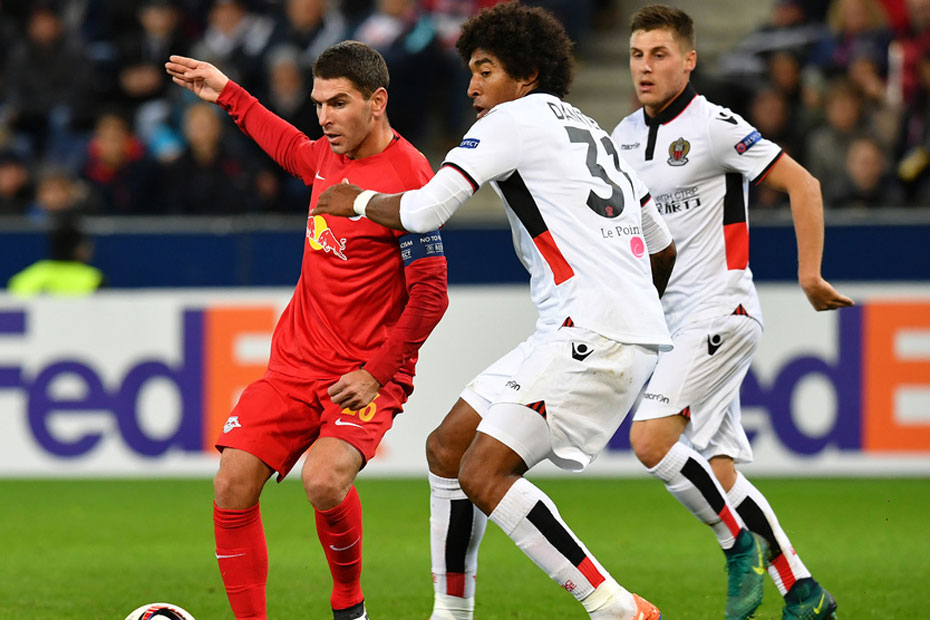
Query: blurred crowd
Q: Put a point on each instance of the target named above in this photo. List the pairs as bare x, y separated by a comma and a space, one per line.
844, 87
90, 123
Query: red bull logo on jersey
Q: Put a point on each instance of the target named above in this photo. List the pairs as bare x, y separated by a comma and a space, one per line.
321, 237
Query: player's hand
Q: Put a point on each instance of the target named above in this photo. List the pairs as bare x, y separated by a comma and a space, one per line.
354, 389
201, 78
822, 295
338, 200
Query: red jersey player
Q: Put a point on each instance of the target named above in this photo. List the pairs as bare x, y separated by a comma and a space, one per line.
343, 352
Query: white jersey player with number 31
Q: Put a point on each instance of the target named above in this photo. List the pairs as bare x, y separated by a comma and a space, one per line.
597, 252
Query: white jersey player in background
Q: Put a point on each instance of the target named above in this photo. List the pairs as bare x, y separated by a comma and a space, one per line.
584, 227
697, 159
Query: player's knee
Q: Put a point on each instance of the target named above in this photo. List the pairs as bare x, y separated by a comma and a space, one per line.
473, 480
442, 456
648, 447
232, 492
324, 490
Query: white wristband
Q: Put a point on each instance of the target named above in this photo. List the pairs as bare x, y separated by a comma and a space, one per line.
361, 201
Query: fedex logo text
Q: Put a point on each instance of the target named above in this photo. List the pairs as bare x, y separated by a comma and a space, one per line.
206, 382
872, 381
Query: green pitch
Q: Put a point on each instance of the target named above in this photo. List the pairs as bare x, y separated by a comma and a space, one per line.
98, 549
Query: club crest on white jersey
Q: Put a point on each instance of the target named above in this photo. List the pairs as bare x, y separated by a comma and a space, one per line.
678, 152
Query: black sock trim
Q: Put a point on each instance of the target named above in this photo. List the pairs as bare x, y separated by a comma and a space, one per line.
557, 535
461, 518
699, 477
755, 520
349, 613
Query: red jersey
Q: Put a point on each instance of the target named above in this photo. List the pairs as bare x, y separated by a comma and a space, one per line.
356, 303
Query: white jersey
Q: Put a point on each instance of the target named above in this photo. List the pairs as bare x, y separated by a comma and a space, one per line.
698, 158
575, 209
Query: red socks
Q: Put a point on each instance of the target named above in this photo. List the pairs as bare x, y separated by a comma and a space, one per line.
243, 558
340, 532
243, 555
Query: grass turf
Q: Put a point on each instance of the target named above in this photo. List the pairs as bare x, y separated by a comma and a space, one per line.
94, 549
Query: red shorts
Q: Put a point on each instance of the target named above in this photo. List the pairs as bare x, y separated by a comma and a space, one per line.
278, 417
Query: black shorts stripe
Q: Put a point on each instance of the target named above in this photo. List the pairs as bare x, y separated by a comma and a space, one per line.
699, 477
734, 204
755, 520
461, 517
523, 204
467, 176
645, 199
558, 536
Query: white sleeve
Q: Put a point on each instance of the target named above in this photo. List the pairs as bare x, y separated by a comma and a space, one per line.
490, 149
739, 147
655, 230
426, 209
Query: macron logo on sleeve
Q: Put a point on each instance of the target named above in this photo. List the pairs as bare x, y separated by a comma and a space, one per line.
469, 143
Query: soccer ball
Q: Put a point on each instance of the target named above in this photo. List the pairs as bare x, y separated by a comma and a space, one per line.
159, 611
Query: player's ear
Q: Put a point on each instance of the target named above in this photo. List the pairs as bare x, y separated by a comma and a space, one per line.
691, 60
532, 81
379, 100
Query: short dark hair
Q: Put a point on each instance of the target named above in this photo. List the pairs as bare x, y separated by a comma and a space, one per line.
662, 17
64, 239
355, 61
525, 39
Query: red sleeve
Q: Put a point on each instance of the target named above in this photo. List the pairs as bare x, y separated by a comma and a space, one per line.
427, 302
286, 144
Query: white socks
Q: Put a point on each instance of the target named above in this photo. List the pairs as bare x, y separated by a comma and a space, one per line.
689, 477
532, 521
456, 530
786, 566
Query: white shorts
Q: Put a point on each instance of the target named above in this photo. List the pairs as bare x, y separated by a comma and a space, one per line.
566, 398
700, 379
483, 389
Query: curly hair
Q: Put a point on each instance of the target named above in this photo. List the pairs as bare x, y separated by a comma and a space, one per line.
525, 39
359, 63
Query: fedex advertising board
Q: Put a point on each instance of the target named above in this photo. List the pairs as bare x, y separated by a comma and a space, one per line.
140, 383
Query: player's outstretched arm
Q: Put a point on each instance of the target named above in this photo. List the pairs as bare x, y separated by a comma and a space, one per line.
341, 200
424, 210
197, 76
807, 212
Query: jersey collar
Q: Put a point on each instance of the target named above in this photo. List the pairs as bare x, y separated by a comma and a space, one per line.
673, 109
